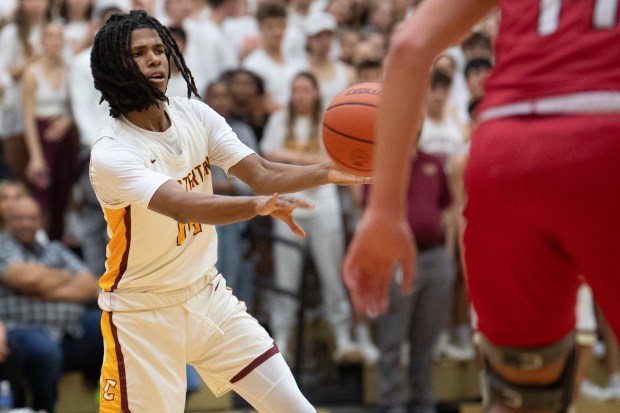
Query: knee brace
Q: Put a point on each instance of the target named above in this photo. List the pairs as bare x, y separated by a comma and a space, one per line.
555, 396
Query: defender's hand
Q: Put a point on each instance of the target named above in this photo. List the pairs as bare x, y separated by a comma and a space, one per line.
379, 244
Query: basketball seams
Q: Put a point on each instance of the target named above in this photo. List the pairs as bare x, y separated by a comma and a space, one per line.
346, 136
348, 127
371, 105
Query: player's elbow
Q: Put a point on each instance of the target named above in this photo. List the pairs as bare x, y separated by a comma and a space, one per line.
409, 51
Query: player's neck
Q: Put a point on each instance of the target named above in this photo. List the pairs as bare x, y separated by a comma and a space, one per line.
154, 118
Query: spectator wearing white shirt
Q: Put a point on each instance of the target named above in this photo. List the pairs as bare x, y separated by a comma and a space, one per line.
90, 117
20, 44
333, 75
242, 30
220, 11
268, 61
75, 15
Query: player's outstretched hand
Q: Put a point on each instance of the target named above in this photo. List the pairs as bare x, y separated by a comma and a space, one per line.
339, 177
378, 245
282, 207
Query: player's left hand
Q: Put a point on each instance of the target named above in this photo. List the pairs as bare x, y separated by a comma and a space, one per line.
282, 207
379, 244
339, 177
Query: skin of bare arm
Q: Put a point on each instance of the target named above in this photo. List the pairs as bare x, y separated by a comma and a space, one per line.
33, 279
383, 237
81, 287
264, 177
36, 168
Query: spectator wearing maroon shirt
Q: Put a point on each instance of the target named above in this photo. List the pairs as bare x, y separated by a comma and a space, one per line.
418, 318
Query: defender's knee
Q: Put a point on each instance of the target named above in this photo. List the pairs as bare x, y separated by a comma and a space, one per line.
529, 379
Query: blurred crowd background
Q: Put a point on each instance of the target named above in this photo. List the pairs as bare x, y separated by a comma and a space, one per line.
270, 67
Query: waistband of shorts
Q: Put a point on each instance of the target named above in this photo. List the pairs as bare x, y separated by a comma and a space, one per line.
140, 301
570, 104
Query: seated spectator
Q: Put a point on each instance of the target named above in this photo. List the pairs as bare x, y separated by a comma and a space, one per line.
10, 190
43, 289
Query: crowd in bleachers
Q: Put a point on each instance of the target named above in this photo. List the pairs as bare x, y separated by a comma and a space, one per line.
270, 68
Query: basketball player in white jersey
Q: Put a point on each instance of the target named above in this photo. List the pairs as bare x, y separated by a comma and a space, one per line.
164, 302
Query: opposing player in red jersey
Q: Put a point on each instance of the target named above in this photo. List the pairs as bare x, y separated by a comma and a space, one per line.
542, 184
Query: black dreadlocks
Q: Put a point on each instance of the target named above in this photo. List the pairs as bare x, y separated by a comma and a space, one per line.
117, 76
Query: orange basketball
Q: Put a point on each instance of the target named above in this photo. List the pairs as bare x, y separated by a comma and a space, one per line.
349, 128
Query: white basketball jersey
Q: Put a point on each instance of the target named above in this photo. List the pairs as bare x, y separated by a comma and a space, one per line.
149, 251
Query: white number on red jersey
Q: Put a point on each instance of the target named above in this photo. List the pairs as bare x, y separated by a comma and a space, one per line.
605, 12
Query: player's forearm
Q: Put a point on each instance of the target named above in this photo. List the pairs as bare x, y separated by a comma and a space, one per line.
186, 207
285, 178
399, 120
435, 26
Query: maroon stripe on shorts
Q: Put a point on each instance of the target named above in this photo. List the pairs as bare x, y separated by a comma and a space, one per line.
120, 360
255, 363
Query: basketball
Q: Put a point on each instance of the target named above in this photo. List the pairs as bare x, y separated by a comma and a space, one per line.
349, 128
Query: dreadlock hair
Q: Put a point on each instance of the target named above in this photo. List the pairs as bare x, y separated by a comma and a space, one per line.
118, 77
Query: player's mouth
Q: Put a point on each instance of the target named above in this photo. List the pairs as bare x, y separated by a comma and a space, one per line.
157, 79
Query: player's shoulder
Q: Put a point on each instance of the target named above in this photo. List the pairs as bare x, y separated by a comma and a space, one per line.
195, 107
113, 141
184, 104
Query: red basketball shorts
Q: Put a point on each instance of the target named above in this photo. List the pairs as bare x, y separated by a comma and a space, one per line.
543, 207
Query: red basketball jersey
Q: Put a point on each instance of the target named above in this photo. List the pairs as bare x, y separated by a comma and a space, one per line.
554, 47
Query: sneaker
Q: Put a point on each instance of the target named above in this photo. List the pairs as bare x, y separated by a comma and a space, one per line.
458, 353
442, 341
589, 390
369, 351
614, 386
348, 353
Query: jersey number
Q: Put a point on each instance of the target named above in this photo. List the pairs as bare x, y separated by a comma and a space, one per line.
183, 229
605, 12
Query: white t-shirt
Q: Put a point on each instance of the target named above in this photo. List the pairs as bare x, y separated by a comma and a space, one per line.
150, 251
325, 197
90, 115
277, 77
207, 52
443, 138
